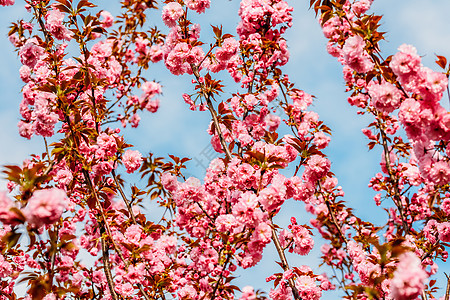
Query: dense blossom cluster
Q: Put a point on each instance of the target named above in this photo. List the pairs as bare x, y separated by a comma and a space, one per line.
71, 201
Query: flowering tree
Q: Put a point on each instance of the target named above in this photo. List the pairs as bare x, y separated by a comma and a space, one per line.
84, 78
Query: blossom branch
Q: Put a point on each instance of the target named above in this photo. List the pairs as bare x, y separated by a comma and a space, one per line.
107, 266
216, 286
211, 109
124, 197
397, 198
333, 216
447, 291
284, 263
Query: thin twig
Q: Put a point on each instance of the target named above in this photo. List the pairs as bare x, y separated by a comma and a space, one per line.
447, 292
124, 197
213, 296
397, 199
284, 263
213, 114
333, 216
107, 266
54, 247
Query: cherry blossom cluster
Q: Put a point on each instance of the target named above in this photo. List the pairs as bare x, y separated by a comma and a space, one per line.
398, 91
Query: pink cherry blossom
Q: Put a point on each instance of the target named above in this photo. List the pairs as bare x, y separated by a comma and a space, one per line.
30, 53
444, 231
108, 19
55, 25
198, 5
46, 206
132, 160
409, 278
385, 97
171, 13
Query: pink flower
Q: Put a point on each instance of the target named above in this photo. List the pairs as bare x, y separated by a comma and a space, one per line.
307, 288
321, 140
133, 234
156, 54
107, 145
445, 206
361, 6
263, 233
198, 5
108, 19
152, 105
283, 292
134, 120
151, 89
63, 177
136, 273
30, 53
248, 293
6, 215
228, 50
171, 13
440, 173
45, 118
226, 223
302, 239
25, 73
141, 45
385, 97
444, 231
169, 182
45, 207
331, 28
285, 238
409, 278
272, 197
132, 160
5, 267
55, 26
405, 63
127, 289
98, 277
176, 59
355, 56
26, 130
272, 122
187, 292
6, 2
316, 168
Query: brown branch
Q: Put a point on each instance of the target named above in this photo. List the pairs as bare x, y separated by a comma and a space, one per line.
124, 197
333, 215
447, 292
38, 15
284, 263
105, 255
207, 96
53, 248
213, 296
216, 125
107, 266
397, 199
108, 230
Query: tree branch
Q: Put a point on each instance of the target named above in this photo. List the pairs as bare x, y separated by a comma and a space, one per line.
447, 292
397, 199
284, 263
124, 197
207, 97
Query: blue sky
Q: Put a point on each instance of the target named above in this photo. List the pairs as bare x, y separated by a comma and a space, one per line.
177, 130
